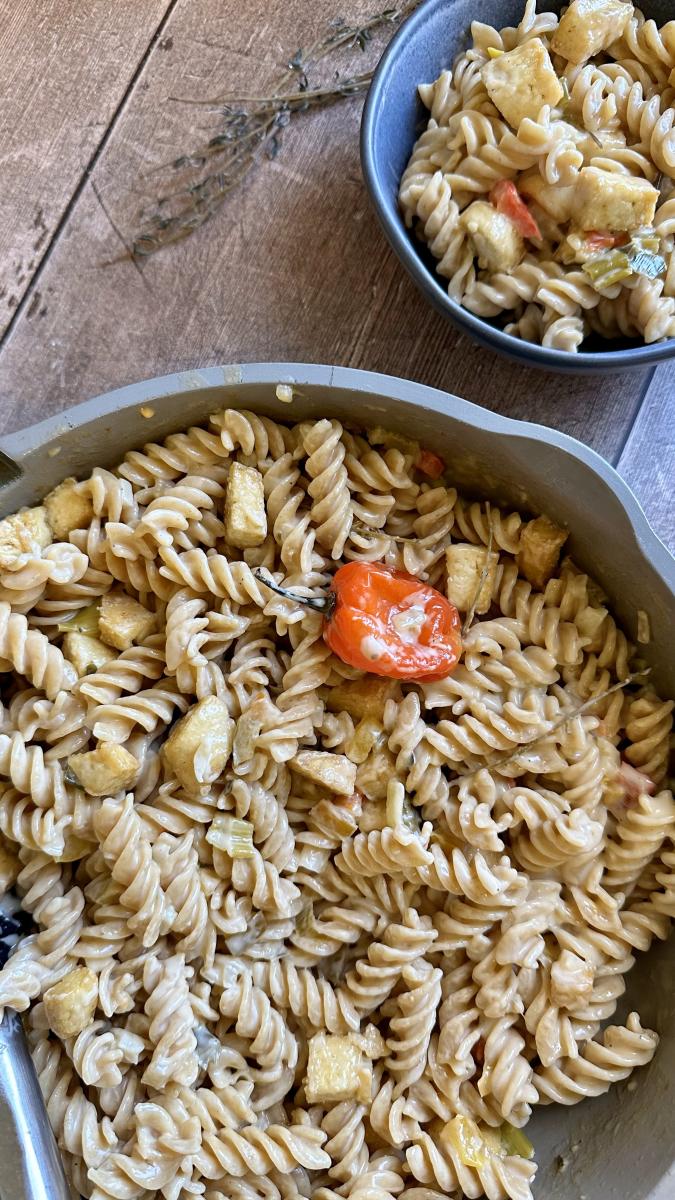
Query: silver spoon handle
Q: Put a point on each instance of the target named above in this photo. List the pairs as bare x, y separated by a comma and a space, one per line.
30, 1164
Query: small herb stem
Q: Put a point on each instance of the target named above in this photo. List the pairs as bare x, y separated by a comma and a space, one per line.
322, 604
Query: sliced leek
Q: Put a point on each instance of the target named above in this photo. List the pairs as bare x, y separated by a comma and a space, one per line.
231, 835
84, 621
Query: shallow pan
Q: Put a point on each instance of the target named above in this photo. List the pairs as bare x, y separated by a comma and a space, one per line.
619, 1147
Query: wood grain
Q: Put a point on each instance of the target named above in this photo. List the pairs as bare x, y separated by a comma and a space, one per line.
647, 461
293, 266
64, 68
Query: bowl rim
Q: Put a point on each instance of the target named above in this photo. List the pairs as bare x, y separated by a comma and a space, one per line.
531, 353
43, 435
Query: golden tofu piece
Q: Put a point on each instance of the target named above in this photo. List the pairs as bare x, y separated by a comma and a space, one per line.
604, 200
123, 621
557, 201
67, 509
362, 697
364, 1094
540, 544
335, 1070
571, 980
106, 770
494, 238
245, 514
71, 1003
23, 536
464, 565
338, 818
367, 735
200, 745
372, 777
373, 814
590, 621
589, 26
332, 771
86, 653
522, 81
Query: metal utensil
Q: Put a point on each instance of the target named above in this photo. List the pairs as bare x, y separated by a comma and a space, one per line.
30, 1164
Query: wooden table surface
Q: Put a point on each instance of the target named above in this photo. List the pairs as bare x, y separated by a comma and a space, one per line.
293, 267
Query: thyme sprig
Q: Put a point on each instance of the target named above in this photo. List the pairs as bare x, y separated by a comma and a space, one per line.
250, 128
566, 716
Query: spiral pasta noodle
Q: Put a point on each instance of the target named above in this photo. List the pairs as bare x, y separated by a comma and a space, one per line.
449, 914
599, 109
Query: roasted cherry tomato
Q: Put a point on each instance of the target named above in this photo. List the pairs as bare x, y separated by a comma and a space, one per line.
388, 623
430, 464
508, 201
601, 239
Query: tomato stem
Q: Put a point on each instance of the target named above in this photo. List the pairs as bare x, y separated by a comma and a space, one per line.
322, 604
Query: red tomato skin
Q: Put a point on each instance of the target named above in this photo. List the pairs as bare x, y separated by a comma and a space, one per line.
508, 201
602, 239
367, 595
430, 464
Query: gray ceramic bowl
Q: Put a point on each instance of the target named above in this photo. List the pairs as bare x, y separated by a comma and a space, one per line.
620, 1147
393, 117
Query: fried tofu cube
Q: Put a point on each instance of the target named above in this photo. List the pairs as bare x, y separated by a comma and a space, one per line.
108, 769
362, 697
540, 544
68, 508
465, 564
555, 200
86, 653
245, 514
372, 777
23, 536
571, 980
522, 81
123, 621
589, 26
494, 238
367, 735
340, 819
71, 1003
200, 745
604, 200
332, 771
335, 1070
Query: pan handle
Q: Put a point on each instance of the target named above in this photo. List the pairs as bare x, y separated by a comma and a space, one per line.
30, 1164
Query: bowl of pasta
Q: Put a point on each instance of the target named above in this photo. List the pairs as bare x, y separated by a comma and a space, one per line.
333, 762
522, 167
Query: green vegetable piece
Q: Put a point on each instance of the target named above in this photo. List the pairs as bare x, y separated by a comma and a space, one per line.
84, 621
233, 836
514, 1141
604, 270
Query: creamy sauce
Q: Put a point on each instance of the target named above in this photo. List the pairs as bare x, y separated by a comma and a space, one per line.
372, 648
409, 624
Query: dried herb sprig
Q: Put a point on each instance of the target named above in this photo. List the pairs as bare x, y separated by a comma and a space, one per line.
566, 716
251, 128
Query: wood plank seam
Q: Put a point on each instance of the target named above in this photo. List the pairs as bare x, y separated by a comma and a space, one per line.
640, 400
87, 172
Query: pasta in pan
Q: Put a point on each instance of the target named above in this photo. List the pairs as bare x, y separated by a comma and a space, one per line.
303, 928
542, 184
